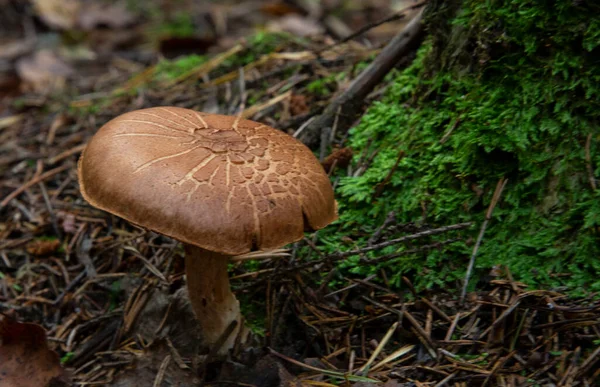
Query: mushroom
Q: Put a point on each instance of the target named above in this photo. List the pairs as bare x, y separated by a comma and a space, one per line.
222, 185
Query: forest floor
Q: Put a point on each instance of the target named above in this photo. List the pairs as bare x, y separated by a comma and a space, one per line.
111, 297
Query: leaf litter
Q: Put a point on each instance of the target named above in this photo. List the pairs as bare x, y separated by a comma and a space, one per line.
25, 359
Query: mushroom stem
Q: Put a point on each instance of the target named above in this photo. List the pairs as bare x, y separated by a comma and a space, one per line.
213, 302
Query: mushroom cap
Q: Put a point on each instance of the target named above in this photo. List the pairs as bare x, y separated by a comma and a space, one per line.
222, 183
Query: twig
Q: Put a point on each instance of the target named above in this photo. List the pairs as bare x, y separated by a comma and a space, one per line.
364, 370
69, 287
396, 16
69, 152
368, 79
391, 217
589, 361
427, 341
421, 234
446, 379
499, 187
419, 249
446, 135
501, 318
161, 371
339, 256
338, 375
50, 210
396, 354
381, 185
34, 181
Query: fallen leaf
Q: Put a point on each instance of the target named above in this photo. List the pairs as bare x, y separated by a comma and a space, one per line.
61, 14
41, 247
10, 84
296, 25
77, 14
5, 122
298, 105
43, 71
95, 14
12, 49
68, 224
277, 8
25, 359
339, 157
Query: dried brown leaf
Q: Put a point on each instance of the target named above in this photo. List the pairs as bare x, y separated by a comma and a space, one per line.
12, 49
25, 359
43, 71
297, 25
72, 14
298, 105
42, 247
339, 157
95, 14
61, 14
277, 8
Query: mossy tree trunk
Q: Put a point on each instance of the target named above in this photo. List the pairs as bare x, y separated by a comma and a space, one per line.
500, 89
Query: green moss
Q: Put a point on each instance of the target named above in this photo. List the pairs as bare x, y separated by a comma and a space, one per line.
253, 311
171, 69
180, 26
89, 109
326, 85
259, 44
513, 88
67, 357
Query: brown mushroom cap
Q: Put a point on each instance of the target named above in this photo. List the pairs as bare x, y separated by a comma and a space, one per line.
224, 184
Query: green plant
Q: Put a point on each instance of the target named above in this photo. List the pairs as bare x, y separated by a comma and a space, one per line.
171, 69
326, 85
181, 26
67, 357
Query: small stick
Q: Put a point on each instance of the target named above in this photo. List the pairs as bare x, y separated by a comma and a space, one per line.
588, 362
161, 371
50, 210
391, 218
387, 257
69, 287
37, 179
452, 327
495, 198
341, 255
63, 155
446, 379
429, 344
381, 186
364, 370
500, 318
396, 16
368, 79
437, 310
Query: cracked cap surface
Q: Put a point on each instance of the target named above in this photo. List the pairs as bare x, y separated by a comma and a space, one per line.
222, 183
